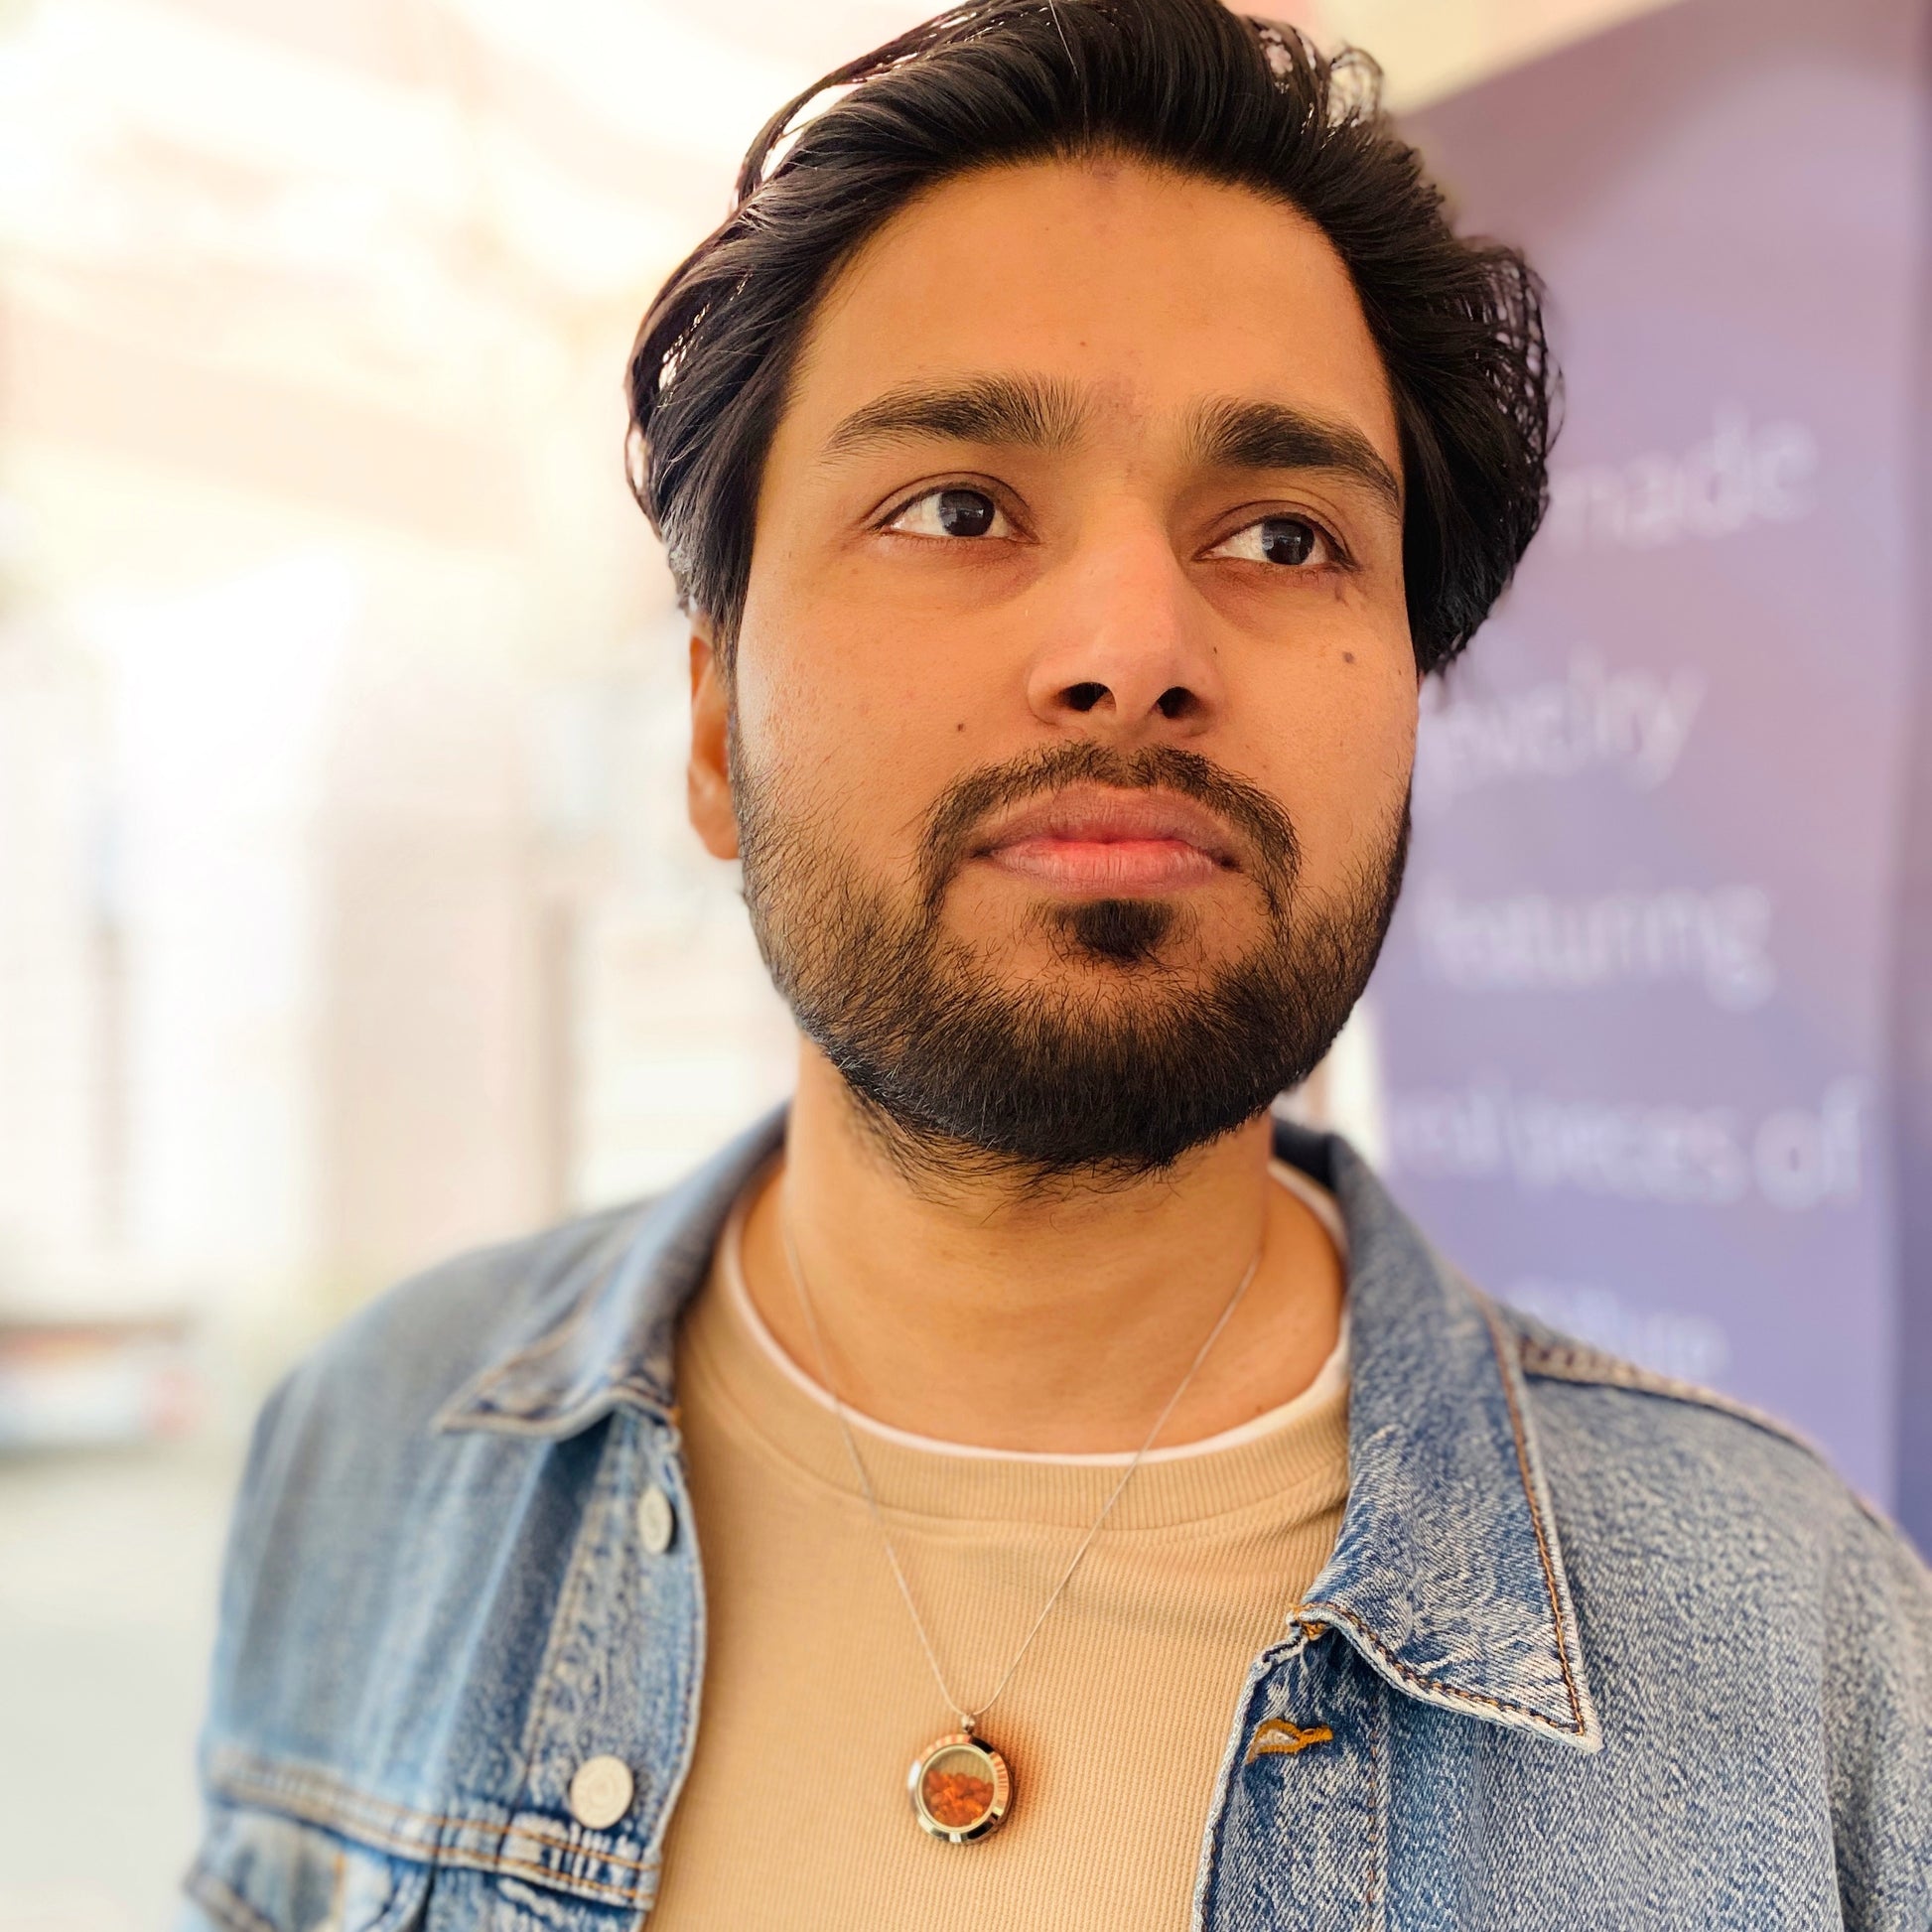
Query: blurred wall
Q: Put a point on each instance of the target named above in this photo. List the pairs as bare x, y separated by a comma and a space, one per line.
1637, 1004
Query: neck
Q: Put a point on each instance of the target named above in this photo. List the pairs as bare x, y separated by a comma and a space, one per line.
963, 1305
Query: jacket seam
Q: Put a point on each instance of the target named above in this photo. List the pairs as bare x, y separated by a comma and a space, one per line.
1435, 1684
1582, 1367
1589, 1368
476, 1402
476, 1398
1208, 1870
222, 1903
1509, 1368
692, 1713
555, 1425
1374, 1808
271, 1792
585, 1560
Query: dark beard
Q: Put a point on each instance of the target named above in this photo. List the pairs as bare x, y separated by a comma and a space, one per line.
957, 1073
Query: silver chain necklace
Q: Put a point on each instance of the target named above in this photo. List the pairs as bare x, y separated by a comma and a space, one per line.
961, 1787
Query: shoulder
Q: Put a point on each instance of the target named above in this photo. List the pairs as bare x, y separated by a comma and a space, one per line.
1705, 1497
1547, 1355
1722, 1568
1645, 1421
347, 1455
390, 1367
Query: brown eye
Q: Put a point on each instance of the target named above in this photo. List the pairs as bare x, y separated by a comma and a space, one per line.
1286, 540
1292, 542
965, 513
952, 513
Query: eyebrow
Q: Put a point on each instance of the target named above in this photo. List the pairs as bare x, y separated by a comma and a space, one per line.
1023, 411
1042, 413
1239, 432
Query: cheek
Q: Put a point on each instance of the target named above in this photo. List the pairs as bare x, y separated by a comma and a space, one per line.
833, 706
800, 700
1344, 751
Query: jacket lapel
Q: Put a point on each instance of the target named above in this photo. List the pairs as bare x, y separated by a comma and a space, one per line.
1447, 1576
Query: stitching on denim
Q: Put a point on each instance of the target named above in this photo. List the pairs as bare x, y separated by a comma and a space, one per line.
377, 1839
555, 1423
1374, 1806
694, 1691
462, 1406
282, 1790
1208, 1866
556, 1880
1436, 1684
1569, 1362
547, 1343
576, 1582
1586, 1367
604, 1498
222, 1902
1503, 1363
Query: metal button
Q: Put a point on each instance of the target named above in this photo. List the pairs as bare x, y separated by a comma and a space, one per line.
601, 1792
656, 1520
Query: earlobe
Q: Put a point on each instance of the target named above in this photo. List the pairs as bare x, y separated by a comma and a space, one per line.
707, 779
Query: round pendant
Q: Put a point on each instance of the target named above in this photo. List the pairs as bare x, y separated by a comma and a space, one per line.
961, 1788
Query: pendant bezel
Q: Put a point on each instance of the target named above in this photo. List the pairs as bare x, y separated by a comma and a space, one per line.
957, 1828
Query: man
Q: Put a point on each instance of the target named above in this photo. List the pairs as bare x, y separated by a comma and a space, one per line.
1073, 450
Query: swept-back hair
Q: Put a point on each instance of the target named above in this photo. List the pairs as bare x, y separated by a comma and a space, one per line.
1184, 85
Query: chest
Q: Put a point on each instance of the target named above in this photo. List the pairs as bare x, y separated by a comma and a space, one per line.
451, 1786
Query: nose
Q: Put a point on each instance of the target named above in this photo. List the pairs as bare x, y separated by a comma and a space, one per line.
1127, 655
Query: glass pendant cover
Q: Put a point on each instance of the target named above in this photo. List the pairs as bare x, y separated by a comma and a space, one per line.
960, 1787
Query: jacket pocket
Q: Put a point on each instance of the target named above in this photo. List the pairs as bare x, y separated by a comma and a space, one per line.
259, 1872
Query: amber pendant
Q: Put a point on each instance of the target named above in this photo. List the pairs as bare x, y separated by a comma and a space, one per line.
961, 1788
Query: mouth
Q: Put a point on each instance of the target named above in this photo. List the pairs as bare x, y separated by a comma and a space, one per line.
1098, 842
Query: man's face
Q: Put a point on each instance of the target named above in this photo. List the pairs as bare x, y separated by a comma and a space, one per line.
1073, 703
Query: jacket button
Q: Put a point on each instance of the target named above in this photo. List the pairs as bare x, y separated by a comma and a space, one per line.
656, 1522
601, 1792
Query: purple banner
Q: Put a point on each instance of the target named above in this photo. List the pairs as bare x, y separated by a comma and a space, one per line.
1636, 1016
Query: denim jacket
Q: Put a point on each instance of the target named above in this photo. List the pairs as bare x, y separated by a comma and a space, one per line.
1594, 1649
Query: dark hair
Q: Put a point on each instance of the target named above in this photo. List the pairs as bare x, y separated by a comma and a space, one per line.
1185, 84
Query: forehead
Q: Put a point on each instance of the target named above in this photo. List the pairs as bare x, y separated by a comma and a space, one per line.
1141, 287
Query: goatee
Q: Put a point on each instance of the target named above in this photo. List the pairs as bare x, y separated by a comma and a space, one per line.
1104, 1073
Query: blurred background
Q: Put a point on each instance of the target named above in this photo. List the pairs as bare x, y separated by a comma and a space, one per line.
348, 913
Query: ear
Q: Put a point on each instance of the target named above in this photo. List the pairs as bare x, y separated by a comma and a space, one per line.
707, 779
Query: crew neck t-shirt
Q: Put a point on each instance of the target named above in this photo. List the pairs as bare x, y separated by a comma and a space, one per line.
818, 1694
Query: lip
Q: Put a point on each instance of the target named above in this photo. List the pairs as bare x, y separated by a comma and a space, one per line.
1099, 842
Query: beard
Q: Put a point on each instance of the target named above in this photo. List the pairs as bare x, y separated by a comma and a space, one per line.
1105, 1072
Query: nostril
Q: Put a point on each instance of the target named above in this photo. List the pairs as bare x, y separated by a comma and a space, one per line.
1177, 701
1083, 697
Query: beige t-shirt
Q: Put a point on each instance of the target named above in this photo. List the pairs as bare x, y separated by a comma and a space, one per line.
817, 1697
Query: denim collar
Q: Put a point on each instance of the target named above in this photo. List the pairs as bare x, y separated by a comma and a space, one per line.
1447, 1576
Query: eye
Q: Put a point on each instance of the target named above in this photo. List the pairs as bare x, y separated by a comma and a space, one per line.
951, 513
1287, 540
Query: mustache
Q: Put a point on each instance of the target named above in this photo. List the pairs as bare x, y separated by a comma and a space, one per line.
1265, 837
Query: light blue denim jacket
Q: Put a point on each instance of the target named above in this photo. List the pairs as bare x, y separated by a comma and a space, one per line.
1593, 1650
